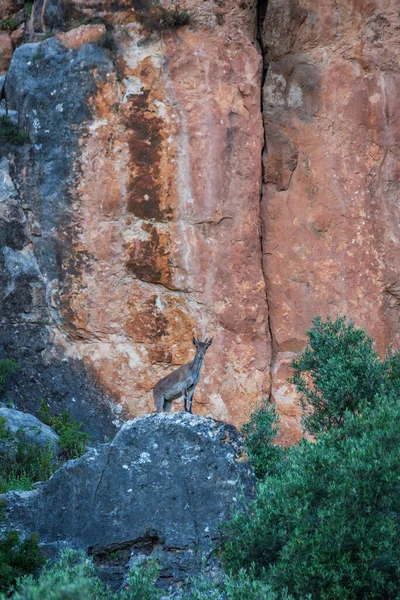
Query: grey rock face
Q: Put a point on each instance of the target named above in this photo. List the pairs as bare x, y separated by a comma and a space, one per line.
33, 429
160, 488
46, 92
48, 15
7, 187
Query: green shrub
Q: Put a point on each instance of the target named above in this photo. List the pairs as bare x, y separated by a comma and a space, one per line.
8, 24
74, 577
72, 439
339, 371
7, 368
10, 133
22, 462
328, 525
245, 586
17, 558
259, 434
160, 18
28, 6
142, 582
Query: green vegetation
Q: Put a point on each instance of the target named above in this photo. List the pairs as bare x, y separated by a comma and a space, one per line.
245, 586
11, 133
22, 462
7, 368
259, 434
72, 439
338, 372
166, 19
28, 6
17, 558
8, 24
74, 577
326, 524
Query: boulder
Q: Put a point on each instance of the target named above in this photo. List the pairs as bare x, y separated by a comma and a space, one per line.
160, 488
33, 429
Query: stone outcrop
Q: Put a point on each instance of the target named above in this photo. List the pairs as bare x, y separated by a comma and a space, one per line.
330, 199
159, 489
29, 426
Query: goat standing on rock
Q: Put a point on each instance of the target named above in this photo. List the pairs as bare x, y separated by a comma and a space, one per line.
181, 382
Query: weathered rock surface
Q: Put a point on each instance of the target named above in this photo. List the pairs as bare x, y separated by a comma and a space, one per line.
47, 85
132, 222
141, 192
160, 488
331, 194
32, 429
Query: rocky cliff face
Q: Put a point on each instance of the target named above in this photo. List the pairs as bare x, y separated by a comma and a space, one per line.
159, 489
133, 220
145, 166
330, 206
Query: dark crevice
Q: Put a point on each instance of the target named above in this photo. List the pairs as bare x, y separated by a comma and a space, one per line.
262, 7
261, 14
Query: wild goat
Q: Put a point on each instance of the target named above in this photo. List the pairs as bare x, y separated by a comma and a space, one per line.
181, 382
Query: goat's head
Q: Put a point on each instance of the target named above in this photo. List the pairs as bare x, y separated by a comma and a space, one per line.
202, 347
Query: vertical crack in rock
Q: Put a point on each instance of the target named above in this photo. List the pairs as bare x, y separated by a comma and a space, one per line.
261, 14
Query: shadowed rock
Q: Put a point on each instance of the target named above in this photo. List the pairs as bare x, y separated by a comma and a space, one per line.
159, 488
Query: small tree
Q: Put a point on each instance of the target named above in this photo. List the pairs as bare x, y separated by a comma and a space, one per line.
328, 524
339, 371
259, 434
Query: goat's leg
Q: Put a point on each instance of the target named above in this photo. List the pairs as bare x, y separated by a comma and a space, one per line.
159, 400
190, 399
167, 405
185, 396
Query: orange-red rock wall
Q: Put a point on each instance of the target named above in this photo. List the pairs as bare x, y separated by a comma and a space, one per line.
167, 203
331, 192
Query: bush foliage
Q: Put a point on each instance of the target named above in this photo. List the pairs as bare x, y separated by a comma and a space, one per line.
329, 524
74, 577
259, 434
8, 24
338, 372
326, 524
11, 133
160, 18
22, 462
72, 440
17, 558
